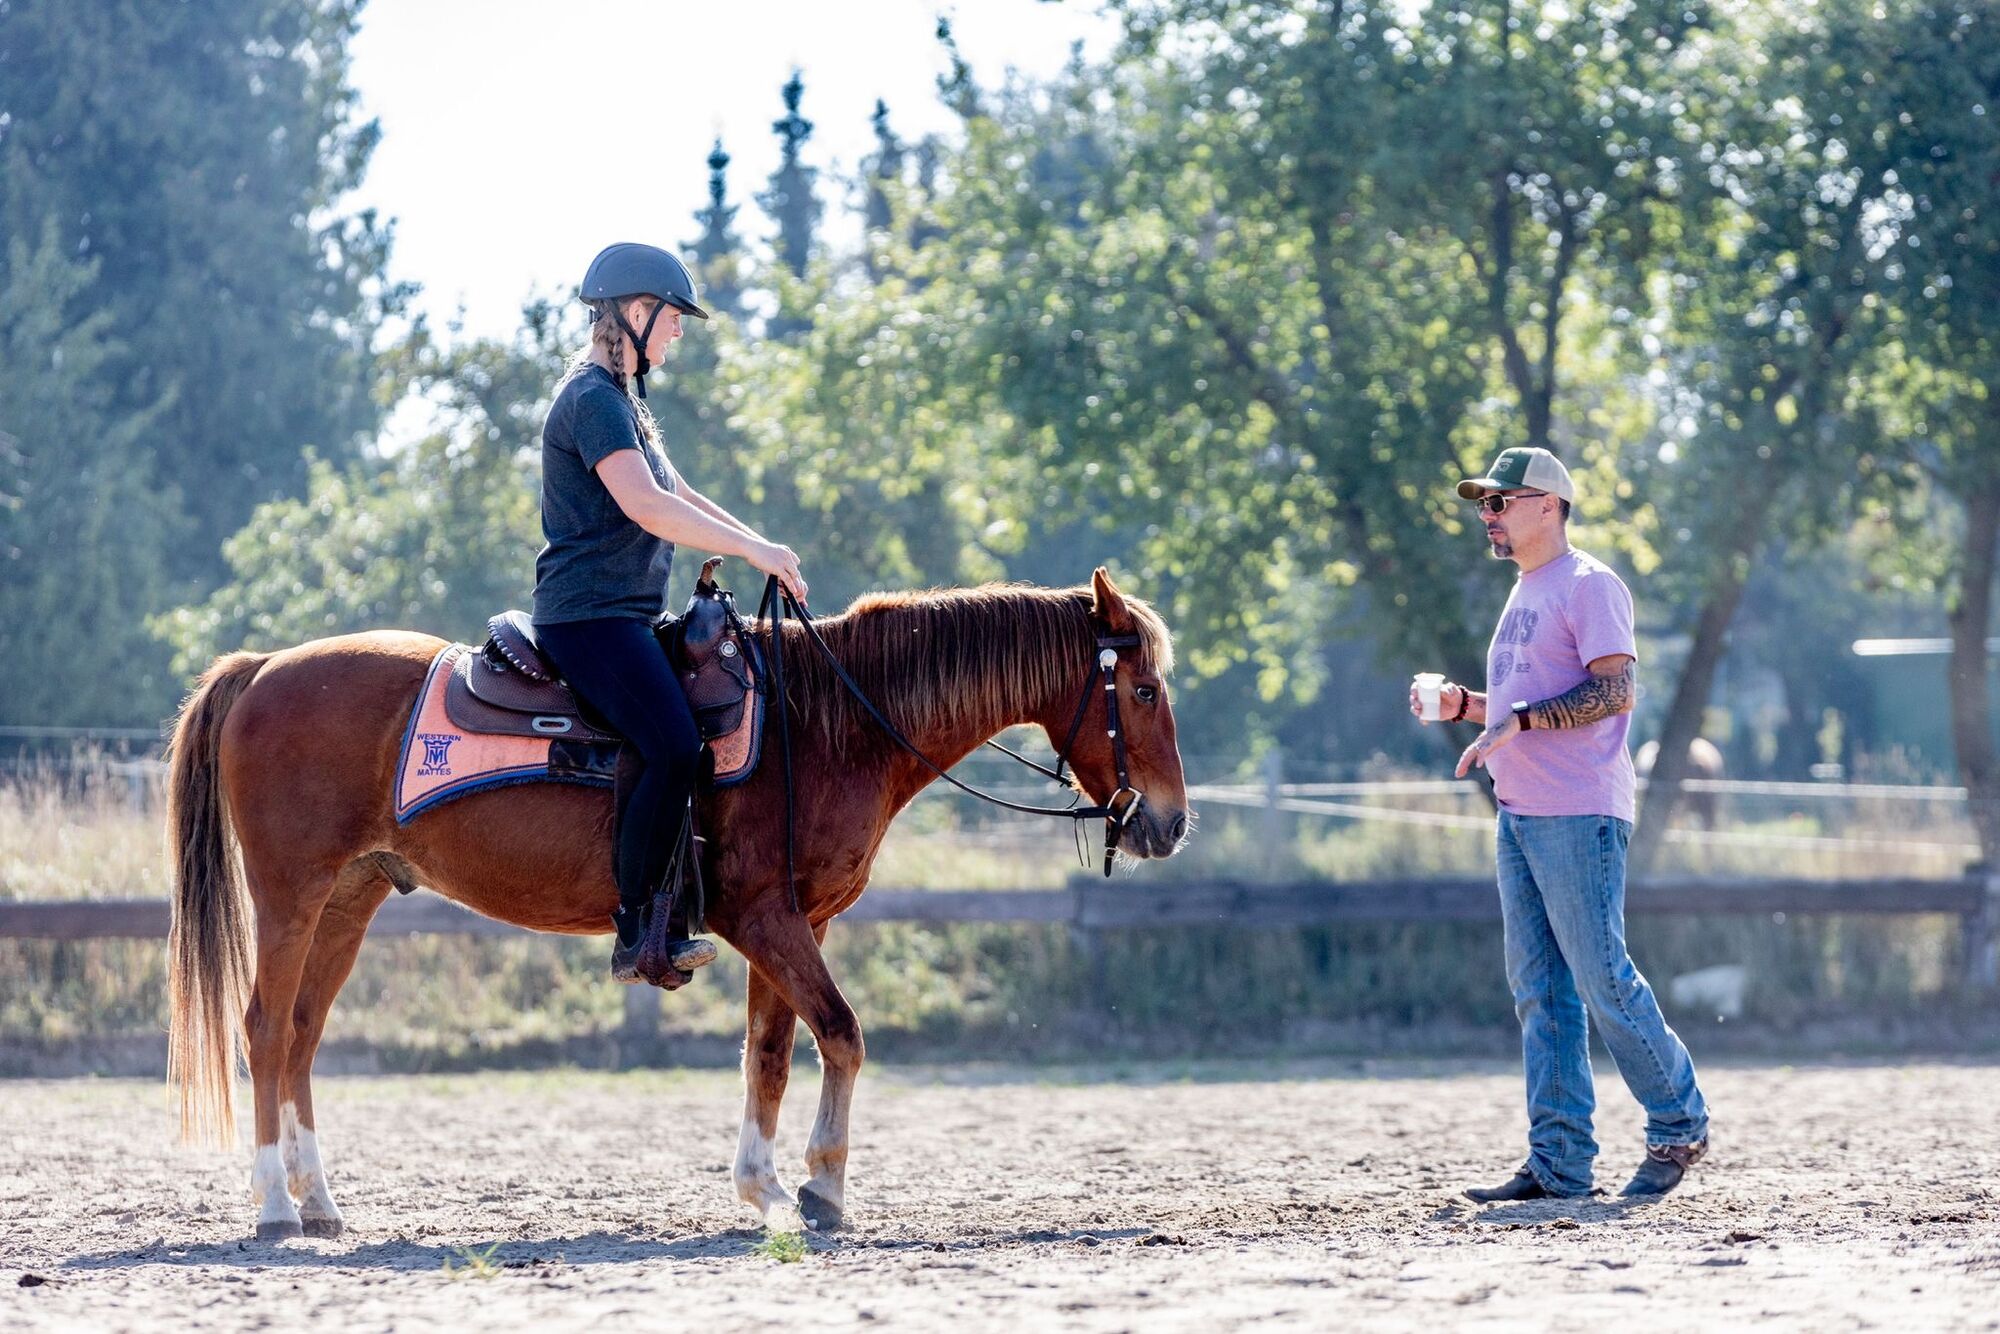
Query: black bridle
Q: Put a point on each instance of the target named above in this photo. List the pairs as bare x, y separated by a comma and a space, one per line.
777, 603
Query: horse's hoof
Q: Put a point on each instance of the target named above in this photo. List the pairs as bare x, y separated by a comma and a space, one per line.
285, 1229
324, 1227
820, 1213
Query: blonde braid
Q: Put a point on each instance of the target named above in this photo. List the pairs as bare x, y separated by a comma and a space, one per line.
605, 333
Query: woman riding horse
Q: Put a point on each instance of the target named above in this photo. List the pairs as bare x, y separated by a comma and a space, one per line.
613, 509
292, 758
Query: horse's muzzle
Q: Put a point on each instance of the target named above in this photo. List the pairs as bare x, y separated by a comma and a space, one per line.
1153, 832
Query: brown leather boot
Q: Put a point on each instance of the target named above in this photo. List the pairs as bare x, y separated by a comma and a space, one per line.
1663, 1168
1521, 1186
630, 925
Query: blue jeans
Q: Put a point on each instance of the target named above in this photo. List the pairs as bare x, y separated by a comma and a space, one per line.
1562, 899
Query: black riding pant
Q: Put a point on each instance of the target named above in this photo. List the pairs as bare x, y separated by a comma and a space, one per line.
617, 667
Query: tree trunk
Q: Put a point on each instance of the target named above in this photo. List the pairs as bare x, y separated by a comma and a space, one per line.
1971, 617
1684, 715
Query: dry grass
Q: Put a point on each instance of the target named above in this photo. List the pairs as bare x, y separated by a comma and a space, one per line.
92, 830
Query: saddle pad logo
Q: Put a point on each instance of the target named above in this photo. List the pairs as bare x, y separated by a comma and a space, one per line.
440, 760
437, 754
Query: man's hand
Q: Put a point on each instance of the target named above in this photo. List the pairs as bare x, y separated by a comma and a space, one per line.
1449, 696
1496, 735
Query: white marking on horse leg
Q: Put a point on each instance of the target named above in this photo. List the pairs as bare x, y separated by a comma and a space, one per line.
304, 1173
757, 1171
267, 1189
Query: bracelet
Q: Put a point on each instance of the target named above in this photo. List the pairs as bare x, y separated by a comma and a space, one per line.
1464, 698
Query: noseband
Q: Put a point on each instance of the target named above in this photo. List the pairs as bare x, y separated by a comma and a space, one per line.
777, 603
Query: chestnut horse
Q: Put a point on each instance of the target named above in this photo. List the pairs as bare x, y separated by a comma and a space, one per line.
291, 757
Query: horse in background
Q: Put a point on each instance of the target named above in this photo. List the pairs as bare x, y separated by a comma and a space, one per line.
290, 758
1704, 761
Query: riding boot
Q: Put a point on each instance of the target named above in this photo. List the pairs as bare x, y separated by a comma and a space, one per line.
635, 951
635, 890
629, 921
653, 942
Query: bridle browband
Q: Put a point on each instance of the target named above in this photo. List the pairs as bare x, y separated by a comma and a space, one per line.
777, 603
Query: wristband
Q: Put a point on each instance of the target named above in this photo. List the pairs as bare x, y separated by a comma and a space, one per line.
1464, 699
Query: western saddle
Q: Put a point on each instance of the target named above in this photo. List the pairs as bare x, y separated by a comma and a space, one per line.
511, 688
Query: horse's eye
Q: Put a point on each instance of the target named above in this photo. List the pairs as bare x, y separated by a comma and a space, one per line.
1146, 694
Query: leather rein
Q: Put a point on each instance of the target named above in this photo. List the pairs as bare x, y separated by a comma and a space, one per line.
777, 603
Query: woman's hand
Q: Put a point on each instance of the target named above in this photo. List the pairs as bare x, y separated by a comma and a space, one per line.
771, 558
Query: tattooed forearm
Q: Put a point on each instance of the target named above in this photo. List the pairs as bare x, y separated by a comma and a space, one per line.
1598, 697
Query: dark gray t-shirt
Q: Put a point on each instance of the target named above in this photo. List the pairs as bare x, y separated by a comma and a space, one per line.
597, 561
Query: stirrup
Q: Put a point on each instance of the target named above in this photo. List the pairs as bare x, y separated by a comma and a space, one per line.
641, 960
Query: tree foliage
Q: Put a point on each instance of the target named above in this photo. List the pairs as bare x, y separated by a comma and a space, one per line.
217, 314
1230, 309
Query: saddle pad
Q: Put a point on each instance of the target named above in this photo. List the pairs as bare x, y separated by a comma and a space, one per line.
441, 760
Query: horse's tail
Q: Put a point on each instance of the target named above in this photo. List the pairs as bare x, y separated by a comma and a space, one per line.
209, 950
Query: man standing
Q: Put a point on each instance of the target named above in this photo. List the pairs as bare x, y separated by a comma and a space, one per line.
1561, 667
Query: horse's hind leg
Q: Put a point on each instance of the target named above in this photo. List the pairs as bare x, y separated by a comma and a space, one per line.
786, 952
288, 910
357, 894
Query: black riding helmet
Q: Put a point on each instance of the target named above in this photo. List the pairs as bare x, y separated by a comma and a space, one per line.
630, 269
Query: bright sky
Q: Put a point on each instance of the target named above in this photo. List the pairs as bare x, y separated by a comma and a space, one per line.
509, 152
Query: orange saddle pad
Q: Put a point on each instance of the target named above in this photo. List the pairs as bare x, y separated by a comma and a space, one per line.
441, 760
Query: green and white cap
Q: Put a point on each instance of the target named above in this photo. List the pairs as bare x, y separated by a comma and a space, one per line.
1521, 468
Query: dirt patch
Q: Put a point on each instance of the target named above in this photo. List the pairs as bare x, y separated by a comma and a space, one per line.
1206, 1197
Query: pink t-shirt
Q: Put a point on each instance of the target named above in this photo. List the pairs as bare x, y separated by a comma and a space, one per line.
1559, 619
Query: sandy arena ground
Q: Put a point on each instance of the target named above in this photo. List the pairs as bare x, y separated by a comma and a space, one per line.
1305, 1197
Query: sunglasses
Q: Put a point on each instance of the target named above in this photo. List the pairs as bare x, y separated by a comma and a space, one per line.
1497, 504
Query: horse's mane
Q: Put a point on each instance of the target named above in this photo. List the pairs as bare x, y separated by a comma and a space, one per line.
932, 657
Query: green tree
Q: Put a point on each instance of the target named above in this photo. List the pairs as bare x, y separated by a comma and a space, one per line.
198, 154
718, 253
1533, 135
1767, 301
882, 181
437, 537
790, 200
1944, 257
82, 519
1208, 345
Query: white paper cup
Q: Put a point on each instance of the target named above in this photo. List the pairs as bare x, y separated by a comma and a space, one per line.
1430, 691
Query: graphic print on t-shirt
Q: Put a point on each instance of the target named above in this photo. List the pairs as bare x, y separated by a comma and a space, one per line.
1516, 627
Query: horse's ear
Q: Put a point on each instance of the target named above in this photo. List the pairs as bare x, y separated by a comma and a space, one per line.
1108, 604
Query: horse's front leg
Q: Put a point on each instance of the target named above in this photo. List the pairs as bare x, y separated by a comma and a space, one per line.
785, 952
767, 1066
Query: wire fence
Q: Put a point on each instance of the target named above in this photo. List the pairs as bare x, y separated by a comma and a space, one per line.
132, 755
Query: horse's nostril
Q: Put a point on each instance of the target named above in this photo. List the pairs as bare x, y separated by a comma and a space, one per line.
1178, 827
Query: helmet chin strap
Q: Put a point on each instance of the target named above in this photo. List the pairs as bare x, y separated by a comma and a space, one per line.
639, 341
